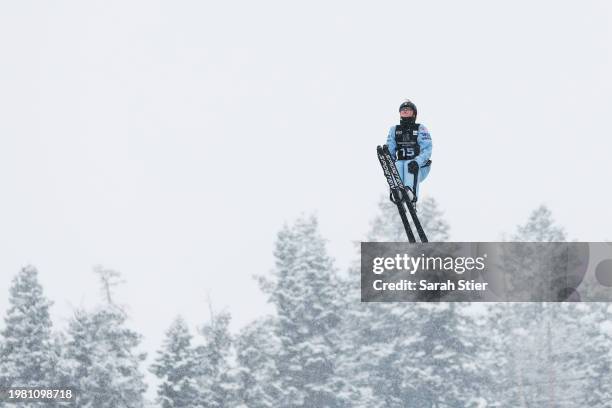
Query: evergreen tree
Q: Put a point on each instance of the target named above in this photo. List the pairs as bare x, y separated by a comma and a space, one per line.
548, 353
540, 227
521, 330
594, 354
306, 296
412, 354
28, 356
102, 353
451, 340
420, 354
256, 348
216, 378
175, 366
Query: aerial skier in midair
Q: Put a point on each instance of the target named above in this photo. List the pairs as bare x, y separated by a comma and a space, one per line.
405, 161
410, 146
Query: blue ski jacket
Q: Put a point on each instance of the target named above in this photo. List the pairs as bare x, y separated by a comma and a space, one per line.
424, 141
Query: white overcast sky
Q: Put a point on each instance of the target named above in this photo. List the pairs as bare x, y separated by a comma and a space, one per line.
171, 140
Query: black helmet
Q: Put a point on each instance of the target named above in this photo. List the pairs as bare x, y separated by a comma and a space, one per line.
408, 104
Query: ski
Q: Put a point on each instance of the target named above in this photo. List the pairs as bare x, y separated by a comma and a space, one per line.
400, 193
397, 192
407, 199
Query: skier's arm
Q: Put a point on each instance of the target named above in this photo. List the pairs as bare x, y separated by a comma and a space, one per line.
424, 140
391, 142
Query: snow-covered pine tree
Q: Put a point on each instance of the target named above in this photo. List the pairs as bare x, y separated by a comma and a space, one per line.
549, 353
216, 377
103, 355
540, 227
256, 348
28, 356
451, 342
175, 366
420, 354
306, 295
411, 354
594, 354
577, 347
519, 330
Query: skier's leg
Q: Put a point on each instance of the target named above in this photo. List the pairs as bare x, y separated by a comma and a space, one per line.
400, 165
423, 172
405, 175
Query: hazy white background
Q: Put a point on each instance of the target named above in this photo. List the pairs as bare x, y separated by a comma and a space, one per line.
171, 140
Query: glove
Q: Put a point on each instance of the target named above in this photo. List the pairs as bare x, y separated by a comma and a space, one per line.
413, 167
